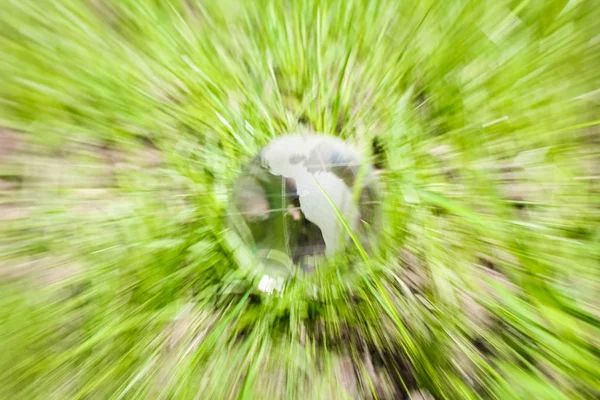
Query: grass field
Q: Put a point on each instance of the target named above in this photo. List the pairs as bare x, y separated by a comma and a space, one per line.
124, 123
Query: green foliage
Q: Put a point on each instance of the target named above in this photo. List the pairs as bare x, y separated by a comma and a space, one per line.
119, 279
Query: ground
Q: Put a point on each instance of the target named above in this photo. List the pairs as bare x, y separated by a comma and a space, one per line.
123, 125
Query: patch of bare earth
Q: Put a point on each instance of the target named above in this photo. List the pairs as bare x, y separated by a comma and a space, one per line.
10, 143
41, 270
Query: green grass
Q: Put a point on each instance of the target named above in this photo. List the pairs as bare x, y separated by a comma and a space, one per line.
132, 118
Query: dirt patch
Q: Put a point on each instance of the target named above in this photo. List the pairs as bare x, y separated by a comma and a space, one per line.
413, 273
420, 395
43, 270
14, 211
10, 142
6, 185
